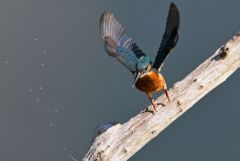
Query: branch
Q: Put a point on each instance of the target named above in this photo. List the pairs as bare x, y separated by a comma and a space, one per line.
116, 142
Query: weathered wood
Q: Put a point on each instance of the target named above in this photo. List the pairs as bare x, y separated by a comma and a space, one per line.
120, 142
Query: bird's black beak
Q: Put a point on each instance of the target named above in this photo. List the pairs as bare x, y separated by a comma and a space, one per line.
138, 74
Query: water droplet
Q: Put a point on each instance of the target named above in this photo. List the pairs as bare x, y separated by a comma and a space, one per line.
37, 100
40, 87
30, 90
44, 52
42, 64
51, 124
71, 157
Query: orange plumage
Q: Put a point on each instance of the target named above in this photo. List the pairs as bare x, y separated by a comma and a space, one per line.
151, 82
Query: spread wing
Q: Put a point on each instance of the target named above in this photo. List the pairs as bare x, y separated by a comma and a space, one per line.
170, 37
117, 43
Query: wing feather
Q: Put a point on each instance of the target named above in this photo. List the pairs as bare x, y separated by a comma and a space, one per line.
170, 37
117, 43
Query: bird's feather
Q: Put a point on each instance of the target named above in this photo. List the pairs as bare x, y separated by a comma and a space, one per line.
170, 37
117, 43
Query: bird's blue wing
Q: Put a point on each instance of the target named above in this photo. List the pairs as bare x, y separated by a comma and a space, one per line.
117, 43
170, 37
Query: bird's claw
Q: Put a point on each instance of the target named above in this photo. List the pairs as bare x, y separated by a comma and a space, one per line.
152, 109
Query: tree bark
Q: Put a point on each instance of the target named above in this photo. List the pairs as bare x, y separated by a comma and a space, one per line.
118, 142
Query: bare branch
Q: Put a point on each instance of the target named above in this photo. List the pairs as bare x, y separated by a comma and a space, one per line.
119, 142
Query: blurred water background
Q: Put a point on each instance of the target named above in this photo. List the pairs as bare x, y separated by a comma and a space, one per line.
58, 84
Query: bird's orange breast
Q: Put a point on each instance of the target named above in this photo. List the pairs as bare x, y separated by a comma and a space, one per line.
151, 82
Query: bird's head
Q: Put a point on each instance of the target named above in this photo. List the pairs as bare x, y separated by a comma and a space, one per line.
143, 66
142, 63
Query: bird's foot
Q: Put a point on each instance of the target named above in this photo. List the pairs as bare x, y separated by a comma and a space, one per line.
166, 93
152, 108
149, 110
154, 105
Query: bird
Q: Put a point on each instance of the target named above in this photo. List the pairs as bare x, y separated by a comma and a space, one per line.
147, 76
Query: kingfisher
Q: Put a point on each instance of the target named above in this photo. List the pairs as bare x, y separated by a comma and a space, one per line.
147, 76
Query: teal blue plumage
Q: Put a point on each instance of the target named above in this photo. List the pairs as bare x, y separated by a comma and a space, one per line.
127, 57
142, 63
119, 45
